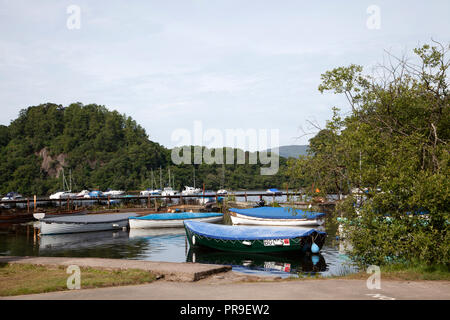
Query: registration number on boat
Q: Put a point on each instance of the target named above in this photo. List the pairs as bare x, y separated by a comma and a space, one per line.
276, 242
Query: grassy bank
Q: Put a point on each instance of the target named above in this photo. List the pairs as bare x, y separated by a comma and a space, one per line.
406, 273
18, 279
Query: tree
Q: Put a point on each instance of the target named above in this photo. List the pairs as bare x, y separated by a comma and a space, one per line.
394, 144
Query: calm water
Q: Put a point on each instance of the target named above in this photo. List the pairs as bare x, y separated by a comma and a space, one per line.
169, 245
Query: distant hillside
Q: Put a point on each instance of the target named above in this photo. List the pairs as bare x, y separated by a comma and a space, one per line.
293, 151
103, 149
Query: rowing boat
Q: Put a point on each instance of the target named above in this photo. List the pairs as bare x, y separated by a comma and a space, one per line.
172, 220
253, 239
276, 216
85, 223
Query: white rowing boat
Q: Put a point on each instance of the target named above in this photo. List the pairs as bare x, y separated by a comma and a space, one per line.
85, 223
276, 216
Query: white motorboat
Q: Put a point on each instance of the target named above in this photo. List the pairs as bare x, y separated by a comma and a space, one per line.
150, 192
113, 193
222, 192
190, 191
84, 194
276, 216
168, 192
62, 195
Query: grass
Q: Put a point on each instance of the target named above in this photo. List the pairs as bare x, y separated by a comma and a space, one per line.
405, 273
19, 279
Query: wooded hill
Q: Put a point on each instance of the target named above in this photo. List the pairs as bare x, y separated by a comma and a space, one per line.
102, 149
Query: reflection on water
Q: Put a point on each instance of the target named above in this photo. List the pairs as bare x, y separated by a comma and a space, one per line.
167, 244
279, 264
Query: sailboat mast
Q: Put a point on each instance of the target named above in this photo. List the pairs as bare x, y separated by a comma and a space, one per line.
169, 177
160, 178
194, 176
153, 178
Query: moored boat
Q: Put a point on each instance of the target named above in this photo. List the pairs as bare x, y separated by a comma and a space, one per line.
171, 220
276, 216
168, 191
62, 195
274, 191
253, 239
188, 191
113, 193
85, 223
42, 215
150, 192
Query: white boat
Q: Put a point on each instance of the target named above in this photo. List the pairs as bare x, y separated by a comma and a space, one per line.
42, 215
276, 216
85, 223
172, 220
10, 196
222, 191
76, 241
188, 191
84, 194
62, 195
113, 193
206, 200
150, 192
168, 192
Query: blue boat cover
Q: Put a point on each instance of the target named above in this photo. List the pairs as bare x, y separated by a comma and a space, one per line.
278, 213
226, 232
179, 216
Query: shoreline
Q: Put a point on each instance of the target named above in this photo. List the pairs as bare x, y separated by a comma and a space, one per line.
193, 281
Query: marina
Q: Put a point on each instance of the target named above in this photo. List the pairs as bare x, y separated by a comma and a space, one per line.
171, 245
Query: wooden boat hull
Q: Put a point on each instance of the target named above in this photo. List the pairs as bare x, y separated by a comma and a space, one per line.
170, 223
273, 245
237, 219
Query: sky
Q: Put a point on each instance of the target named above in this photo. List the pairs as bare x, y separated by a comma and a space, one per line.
248, 64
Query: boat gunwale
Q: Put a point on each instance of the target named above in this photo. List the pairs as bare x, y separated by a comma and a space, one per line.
316, 215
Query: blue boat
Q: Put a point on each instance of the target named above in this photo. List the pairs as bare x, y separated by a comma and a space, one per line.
172, 220
253, 239
276, 216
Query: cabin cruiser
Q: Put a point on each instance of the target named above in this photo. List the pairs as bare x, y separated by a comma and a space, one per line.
150, 192
84, 194
168, 192
62, 195
113, 193
10, 196
190, 191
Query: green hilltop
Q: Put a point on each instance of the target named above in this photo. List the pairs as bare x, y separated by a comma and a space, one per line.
102, 149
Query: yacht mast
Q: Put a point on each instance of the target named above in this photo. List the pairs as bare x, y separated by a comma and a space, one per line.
194, 176
169, 177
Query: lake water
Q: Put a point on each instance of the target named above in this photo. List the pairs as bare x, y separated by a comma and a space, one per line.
170, 245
